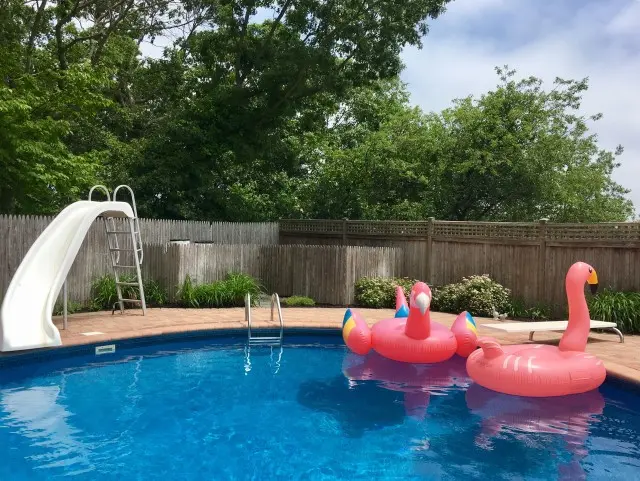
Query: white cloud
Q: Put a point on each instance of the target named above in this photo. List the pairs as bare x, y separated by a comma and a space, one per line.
577, 40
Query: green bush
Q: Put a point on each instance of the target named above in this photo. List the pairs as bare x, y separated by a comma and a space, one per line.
228, 292
520, 310
72, 307
380, 292
477, 294
298, 301
620, 307
104, 294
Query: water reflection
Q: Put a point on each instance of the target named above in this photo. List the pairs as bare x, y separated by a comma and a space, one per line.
37, 414
417, 382
275, 356
375, 392
567, 416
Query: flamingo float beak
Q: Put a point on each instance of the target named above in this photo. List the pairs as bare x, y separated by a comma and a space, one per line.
423, 302
592, 280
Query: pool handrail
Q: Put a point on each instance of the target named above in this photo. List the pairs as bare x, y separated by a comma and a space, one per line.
275, 303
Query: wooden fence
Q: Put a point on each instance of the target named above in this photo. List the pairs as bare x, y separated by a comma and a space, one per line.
322, 258
17, 234
325, 273
530, 258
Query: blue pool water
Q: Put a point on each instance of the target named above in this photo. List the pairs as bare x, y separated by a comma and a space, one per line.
203, 411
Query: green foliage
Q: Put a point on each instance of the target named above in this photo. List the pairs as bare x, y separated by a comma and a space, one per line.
104, 293
623, 308
477, 294
72, 308
518, 309
298, 301
380, 292
298, 114
229, 292
517, 153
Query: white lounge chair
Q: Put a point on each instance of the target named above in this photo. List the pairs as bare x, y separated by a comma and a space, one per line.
558, 326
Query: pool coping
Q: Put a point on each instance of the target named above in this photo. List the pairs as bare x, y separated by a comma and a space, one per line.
617, 373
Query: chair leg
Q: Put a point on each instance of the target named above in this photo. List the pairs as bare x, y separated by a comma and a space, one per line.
531, 335
617, 331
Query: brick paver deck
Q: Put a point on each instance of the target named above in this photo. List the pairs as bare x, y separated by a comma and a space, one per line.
620, 359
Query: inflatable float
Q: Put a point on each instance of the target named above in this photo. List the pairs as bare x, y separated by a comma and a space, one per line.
411, 336
539, 370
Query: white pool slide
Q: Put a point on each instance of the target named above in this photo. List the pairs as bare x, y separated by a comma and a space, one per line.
26, 315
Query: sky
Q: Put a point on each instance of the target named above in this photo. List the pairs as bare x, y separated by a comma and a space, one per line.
572, 39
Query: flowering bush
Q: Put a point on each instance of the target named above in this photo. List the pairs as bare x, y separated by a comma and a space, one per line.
380, 292
477, 294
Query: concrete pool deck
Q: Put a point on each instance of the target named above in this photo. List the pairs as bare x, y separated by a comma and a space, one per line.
621, 359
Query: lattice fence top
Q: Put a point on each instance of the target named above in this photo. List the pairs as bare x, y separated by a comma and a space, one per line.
614, 232
312, 226
526, 231
487, 230
389, 228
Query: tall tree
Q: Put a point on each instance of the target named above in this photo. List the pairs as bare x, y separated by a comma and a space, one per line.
518, 153
239, 96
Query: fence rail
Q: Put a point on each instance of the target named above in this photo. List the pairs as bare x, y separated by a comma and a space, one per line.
324, 258
531, 258
18, 233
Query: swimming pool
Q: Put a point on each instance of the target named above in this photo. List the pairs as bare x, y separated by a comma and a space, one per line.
204, 410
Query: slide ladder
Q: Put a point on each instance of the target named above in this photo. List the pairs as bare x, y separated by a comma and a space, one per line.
119, 248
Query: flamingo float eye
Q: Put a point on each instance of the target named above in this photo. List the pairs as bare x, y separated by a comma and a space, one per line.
590, 270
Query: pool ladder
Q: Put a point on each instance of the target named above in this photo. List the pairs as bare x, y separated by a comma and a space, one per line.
269, 341
263, 340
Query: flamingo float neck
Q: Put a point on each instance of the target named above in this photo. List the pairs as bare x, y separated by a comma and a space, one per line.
577, 333
418, 325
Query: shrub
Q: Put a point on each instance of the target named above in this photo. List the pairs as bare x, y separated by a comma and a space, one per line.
620, 307
104, 294
380, 292
72, 307
520, 310
298, 301
477, 294
228, 292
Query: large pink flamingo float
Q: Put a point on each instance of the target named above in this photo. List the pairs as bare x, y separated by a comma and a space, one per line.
540, 370
568, 417
416, 381
411, 336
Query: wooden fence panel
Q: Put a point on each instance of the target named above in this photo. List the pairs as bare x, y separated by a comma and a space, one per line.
530, 258
18, 233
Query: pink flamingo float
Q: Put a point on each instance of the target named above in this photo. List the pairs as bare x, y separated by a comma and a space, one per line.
416, 381
569, 417
411, 336
540, 370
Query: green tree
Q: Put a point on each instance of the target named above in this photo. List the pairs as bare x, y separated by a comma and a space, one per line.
517, 153
238, 99
60, 88
521, 153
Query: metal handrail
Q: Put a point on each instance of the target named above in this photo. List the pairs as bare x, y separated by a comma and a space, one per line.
133, 197
115, 253
247, 313
102, 187
137, 241
275, 301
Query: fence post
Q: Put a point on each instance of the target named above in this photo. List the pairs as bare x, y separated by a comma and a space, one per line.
542, 257
344, 231
430, 225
